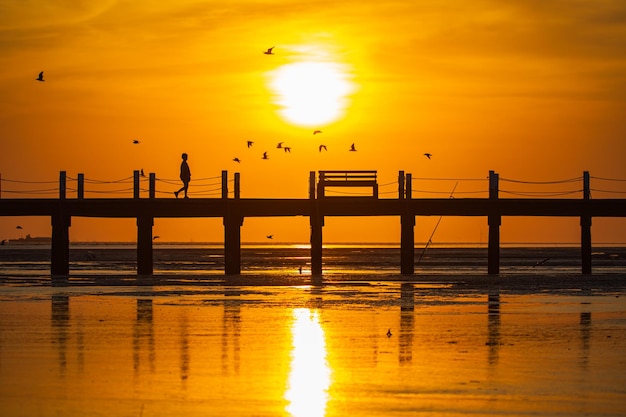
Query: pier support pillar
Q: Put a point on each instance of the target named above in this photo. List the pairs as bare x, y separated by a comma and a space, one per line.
494, 220
407, 245
316, 220
144, 245
407, 227
60, 248
232, 244
585, 229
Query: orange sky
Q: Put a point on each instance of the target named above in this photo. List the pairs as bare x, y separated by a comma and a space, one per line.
533, 90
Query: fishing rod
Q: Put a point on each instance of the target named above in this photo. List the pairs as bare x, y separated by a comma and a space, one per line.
430, 239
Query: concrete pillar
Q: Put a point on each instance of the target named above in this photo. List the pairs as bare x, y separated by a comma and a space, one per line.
60, 246
494, 220
317, 222
144, 245
585, 229
407, 229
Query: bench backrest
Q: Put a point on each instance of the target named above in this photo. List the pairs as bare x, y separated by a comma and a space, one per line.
347, 179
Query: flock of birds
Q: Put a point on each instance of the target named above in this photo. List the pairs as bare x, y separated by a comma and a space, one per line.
286, 149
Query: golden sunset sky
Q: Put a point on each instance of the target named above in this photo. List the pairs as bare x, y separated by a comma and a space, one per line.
534, 90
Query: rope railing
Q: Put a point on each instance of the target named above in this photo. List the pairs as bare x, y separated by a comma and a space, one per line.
214, 186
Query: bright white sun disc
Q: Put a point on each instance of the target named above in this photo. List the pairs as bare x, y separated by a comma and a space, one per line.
311, 93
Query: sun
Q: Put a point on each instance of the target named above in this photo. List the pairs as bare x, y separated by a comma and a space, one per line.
311, 93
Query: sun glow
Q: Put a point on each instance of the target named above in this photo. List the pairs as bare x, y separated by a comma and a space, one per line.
311, 93
309, 378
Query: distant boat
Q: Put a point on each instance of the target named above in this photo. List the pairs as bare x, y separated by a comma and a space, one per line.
31, 240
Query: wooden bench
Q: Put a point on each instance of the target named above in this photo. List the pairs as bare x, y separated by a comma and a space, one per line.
347, 179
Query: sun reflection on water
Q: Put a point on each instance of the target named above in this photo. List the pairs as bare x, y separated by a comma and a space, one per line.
309, 377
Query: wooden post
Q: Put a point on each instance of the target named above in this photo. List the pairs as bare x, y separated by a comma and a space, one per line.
152, 185
60, 247
136, 184
224, 184
585, 228
144, 245
494, 220
407, 229
237, 185
62, 185
317, 222
80, 187
401, 187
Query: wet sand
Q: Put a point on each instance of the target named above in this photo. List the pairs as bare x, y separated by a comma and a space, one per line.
376, 347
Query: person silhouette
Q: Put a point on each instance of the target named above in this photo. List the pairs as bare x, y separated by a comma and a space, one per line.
185, 176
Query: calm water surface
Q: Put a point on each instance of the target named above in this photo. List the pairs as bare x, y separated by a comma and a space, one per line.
358, 349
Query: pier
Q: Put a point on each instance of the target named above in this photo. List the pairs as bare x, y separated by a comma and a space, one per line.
233, 210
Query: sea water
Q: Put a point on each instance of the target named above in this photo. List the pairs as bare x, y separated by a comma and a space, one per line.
277, 344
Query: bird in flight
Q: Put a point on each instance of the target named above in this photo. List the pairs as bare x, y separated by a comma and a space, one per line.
352, 148
315, 132
250, 143
135, 142
427, 155
40, 78
287, 149
322, 147
269, 51
280, 145
265, 156
237, 160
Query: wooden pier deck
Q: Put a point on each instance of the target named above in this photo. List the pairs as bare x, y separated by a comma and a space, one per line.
233, 211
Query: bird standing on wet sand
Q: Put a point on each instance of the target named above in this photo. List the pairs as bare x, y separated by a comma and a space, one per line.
156, 237
287, 149
322, 147
270, 236
269, 51
250, 143
237, 160
265, 156
135, 142
280, 145
352, 148
18, 227
388, 332
40, 77
427, 155
141, 173
315, 132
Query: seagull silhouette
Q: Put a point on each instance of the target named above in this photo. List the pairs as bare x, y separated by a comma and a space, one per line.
156, 237
135, 142
427, 155
280, 145
322, 147
315, 132
265, 156
269, 51
237, 160
352, 148
389, 333
270, 236
40, 78
250, 143
287, 149
141, 173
